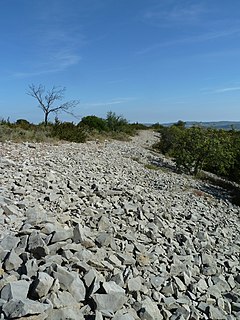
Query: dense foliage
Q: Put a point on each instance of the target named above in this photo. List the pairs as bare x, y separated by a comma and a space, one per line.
93, 123
196, 148
68, 131
113, 123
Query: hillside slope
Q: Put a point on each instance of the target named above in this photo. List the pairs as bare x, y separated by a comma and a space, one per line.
90, 231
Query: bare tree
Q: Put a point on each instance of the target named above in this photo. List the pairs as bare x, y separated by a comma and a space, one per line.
47, 100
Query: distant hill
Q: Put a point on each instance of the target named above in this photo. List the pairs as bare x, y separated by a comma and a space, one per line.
226, 125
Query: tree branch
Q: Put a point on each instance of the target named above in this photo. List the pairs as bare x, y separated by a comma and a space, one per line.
46, 101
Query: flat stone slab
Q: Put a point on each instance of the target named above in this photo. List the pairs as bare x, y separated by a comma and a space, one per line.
17, 290
109, 303
23, 307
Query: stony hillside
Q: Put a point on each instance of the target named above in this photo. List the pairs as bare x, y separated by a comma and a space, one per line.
90, 231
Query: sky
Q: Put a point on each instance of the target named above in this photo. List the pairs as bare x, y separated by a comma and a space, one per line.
148, 60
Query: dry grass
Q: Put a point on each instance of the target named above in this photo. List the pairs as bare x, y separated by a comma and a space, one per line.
44, 134
20, 135
151, 167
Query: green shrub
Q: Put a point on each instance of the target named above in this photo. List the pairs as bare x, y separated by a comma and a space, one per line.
221, 153
157, 126
139, 126
196, 148
115, 122
24, 124
207, 149
234, 171
93, 123
191, 149
180, 124
68, 131
114, 126
169, 137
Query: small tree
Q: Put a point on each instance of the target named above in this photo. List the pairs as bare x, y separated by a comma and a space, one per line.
47, 100
191, 149
180, 124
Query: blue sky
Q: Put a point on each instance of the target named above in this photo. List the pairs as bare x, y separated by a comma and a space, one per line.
149, 60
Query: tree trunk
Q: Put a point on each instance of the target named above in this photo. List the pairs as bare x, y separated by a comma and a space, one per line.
46, 118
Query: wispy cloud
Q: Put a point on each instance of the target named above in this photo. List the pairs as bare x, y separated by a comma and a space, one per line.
197, 22
221, 53
192, 39
167, 13
110, 102
56, 43
57, 63
228, 89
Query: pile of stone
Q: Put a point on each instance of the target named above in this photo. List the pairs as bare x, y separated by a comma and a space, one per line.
89, 232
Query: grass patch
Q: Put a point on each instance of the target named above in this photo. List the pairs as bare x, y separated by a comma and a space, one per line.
151, 167
18, 134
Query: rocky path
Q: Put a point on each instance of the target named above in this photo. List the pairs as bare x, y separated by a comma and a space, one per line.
91, 231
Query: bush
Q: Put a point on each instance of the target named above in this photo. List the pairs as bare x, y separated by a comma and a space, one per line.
24, 124
169, 137
221, 153
195, 149
114, 126
139, 126
68, 131
234, 171
191, 149
93, 123
157, 126
115, 122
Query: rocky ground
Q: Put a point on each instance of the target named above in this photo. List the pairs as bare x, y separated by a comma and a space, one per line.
93, 231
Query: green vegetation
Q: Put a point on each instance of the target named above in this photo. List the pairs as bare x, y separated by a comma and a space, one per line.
68, 131
151, 166
22, 130
113, 127
197, 148
90, 127
93, 123
116, 123
113, 124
